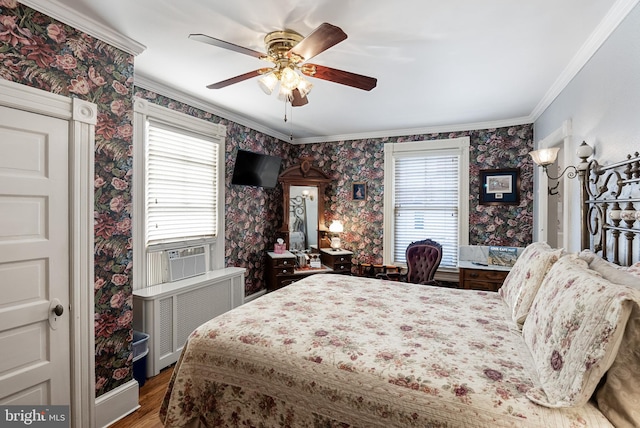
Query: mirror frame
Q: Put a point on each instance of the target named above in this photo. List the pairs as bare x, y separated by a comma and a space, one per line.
303, 174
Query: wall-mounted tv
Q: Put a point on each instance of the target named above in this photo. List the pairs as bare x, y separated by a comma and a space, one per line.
256, 169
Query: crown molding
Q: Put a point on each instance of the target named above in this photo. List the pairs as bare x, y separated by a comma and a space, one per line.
607, 26
162, 89
417, 131
70, 17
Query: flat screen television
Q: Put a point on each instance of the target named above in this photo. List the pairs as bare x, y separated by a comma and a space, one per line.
256, 169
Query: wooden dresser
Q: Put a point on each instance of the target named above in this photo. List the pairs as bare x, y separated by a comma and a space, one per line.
281, 269
488, 278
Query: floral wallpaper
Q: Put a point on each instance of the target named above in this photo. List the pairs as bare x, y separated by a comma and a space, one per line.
38, 51
363, 160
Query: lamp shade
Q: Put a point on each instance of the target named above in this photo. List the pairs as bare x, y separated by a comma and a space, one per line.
289, 78
336, 227
268, 82
304, 86
544, 157
285, 94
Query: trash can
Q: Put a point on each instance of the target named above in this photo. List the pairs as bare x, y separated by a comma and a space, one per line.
140, 351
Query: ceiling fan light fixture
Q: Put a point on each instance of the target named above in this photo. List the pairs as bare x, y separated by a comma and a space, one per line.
304, 87
285, 94
268, 83
289, 78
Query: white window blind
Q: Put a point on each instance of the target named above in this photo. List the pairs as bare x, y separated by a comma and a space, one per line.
181, 185
426, 201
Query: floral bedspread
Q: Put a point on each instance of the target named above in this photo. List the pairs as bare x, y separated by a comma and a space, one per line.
341, 351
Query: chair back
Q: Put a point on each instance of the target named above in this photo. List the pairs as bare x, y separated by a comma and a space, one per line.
423, 258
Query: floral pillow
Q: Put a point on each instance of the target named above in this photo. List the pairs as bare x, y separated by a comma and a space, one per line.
522, 283
574, 330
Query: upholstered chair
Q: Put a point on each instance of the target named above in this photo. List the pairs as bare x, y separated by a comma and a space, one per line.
423, 258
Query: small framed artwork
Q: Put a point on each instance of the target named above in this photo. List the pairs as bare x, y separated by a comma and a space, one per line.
359, 191
500, 186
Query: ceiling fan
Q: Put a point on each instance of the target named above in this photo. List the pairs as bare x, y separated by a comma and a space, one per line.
289, 50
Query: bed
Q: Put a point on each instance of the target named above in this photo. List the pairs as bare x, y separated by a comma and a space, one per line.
558, 345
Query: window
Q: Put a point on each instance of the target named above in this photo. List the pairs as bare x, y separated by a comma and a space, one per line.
180, 186
426, 196
179, 197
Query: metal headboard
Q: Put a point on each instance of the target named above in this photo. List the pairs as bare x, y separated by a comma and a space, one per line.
610, 209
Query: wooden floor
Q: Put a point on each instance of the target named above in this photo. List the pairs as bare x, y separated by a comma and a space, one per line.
151, 395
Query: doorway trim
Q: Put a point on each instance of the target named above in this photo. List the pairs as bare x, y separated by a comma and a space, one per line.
82, 117
561, 138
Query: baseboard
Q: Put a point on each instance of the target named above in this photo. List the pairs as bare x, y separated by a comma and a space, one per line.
255, 295
116, 404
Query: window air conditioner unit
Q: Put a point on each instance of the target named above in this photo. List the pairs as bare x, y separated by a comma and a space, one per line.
186, 262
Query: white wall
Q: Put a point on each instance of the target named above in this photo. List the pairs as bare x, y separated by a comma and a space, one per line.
603, 102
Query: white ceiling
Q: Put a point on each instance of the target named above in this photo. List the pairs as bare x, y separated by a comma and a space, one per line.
440, 64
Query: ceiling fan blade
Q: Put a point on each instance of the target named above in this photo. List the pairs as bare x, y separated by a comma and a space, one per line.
298, 101
239, 78
226, 45
321, 39
338, 76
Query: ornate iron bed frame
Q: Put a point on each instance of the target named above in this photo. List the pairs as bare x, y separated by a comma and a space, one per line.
610, 207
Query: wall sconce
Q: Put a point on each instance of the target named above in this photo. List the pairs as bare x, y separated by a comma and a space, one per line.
307, 195
336, 228
546, 157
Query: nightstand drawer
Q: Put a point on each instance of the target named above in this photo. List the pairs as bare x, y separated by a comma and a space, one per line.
485, 275
341, 259
482, 279
286, 270
284, 263
480, 285
341, 267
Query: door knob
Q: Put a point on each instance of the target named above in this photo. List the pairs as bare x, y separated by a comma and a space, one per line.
58, 310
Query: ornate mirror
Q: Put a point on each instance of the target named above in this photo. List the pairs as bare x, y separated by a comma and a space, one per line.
303, 188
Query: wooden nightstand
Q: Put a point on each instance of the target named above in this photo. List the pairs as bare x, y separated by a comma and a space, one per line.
280, 269
339, 261
486, 278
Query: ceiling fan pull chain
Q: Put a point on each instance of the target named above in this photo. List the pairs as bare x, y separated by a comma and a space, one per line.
285, 111
290, 121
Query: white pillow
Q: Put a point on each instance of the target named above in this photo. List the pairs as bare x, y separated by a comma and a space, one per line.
611, 271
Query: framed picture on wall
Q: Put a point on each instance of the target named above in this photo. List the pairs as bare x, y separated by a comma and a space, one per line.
359, 191
500, 186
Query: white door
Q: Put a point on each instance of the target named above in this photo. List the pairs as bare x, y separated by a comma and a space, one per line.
34, 259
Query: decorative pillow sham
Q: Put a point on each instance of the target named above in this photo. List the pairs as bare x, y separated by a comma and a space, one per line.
522, 283
611, 271
618, 397
573, 331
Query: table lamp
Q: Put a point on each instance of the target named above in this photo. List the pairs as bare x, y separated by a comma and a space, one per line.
336, 228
